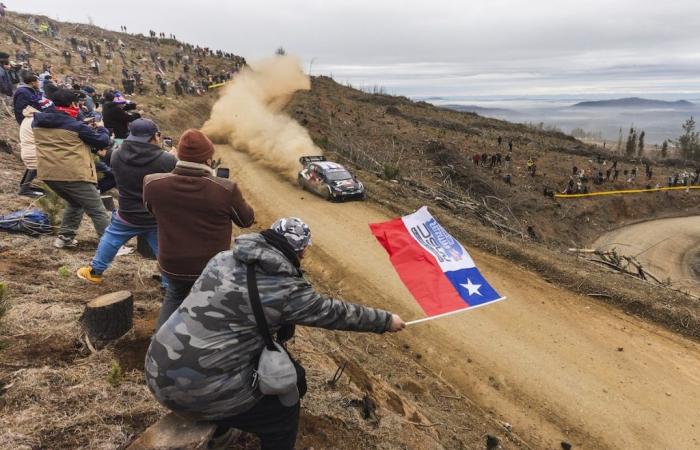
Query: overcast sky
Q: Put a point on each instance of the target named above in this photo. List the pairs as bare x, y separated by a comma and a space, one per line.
439, 47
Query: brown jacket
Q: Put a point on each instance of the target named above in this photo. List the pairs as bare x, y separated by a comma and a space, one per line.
63, 147
194, 211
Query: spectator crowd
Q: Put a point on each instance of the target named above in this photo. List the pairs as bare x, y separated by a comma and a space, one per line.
209, 356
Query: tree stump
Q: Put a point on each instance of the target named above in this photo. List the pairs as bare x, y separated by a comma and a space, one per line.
108, 317
174, 431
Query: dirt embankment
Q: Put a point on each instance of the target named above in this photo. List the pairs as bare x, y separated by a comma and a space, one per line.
554, 364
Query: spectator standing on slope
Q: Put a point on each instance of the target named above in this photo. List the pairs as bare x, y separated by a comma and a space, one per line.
26, 94
139, 155
194, 210
115, 115
65, 163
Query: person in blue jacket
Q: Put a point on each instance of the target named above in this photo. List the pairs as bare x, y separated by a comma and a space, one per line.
26, 94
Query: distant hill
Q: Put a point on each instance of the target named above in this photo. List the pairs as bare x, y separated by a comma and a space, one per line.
635, 102
478, 109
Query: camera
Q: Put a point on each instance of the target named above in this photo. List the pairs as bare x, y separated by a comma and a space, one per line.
222, 172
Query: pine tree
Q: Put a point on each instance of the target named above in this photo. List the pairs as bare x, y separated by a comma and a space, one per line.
689, 142
631, 143
664, 149
640, 147
619, 142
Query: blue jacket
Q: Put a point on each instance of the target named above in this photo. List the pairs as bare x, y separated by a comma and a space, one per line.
25, 96
63, 146
5, 83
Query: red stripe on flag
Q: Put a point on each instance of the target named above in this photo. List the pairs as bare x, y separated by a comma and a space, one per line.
418, 269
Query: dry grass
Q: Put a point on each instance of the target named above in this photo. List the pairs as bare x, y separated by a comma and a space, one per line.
75, 406
4, 302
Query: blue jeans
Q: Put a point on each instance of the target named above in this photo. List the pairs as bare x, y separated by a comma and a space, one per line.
117, 234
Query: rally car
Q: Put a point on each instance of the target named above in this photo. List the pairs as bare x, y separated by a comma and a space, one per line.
328, 179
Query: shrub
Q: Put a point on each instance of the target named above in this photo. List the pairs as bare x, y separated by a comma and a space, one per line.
391, 172
64, 271
115, 375
52, 205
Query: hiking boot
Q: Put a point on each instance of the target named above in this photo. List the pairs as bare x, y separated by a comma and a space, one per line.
65, 242
30, 191
87, 274
222, 440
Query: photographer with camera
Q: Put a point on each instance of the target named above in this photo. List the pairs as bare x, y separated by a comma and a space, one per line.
194, 210
115, 115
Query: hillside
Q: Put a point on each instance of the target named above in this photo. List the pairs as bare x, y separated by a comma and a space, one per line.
481, 110
432, 149
53, 389
635, 102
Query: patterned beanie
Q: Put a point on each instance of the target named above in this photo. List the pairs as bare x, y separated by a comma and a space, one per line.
295, 231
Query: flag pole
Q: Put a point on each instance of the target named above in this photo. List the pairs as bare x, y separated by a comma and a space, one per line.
451, 313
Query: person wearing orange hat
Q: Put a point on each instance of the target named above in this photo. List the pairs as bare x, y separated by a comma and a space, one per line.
194, 210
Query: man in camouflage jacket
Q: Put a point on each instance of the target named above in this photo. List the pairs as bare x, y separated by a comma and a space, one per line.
201, 361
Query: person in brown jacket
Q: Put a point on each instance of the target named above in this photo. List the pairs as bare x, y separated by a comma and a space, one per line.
194, 210
65, 148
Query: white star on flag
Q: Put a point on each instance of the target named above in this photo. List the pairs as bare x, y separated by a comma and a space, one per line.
471, 287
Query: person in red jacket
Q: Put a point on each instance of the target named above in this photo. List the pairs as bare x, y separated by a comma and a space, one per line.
194, 210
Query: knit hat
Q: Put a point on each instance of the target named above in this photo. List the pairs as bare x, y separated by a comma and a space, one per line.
294, 230
194, 146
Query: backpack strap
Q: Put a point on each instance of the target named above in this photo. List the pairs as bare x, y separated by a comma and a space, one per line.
255, 303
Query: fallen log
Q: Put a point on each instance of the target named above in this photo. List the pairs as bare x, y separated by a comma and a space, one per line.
175, 431
108, 317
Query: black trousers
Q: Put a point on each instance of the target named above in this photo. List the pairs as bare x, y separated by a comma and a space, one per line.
175, 294
275, 424
25, 183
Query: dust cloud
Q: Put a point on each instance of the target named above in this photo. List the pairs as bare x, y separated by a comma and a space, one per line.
249, 115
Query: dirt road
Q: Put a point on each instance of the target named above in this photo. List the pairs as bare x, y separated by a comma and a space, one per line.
666, 247
557, 366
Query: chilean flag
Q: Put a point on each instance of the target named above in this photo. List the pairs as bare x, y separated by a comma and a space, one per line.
431, 263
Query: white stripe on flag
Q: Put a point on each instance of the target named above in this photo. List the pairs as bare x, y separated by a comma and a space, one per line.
449, 253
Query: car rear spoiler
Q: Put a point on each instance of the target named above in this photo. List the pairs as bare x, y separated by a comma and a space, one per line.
304, 160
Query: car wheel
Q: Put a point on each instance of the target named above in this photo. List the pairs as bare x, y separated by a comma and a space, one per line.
300, 180
327, 194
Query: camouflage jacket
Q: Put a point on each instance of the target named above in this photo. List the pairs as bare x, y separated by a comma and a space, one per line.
201, 360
